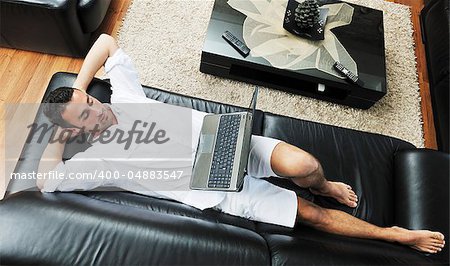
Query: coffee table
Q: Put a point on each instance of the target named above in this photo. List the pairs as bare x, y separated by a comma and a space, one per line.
363, 39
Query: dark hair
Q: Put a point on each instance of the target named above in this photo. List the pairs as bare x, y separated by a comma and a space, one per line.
55, 104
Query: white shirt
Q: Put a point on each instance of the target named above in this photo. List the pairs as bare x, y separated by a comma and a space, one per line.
120, 163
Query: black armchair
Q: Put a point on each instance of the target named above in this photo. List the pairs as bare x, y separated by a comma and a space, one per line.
61, 27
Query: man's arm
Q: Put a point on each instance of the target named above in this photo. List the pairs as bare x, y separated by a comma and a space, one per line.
52, 155
104, 47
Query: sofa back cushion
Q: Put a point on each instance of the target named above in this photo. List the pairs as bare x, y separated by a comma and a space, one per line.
80, 230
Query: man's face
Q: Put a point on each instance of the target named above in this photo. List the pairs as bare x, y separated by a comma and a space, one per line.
85, 111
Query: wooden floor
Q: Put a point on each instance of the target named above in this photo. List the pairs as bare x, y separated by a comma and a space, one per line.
24, 75
427, 112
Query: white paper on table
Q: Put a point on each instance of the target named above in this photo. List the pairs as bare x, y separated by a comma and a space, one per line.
264, 34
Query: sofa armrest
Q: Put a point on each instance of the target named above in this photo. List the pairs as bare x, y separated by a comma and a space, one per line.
422, 191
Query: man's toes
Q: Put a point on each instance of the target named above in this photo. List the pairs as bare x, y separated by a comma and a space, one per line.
353, 198
427, 249
437, 241
437, 246
351, 192
436, 249
433, 250
352, 204
438, 235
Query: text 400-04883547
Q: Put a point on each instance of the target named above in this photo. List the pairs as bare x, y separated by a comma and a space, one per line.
158, 175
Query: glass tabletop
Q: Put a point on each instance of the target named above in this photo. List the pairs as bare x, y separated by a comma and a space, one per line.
363, 39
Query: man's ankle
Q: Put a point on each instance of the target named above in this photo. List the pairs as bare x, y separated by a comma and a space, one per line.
393, 234
323, 187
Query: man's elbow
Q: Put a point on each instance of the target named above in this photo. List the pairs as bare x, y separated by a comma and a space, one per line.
40, 183
109, 42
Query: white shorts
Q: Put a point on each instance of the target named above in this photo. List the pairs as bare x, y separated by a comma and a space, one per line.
260, 200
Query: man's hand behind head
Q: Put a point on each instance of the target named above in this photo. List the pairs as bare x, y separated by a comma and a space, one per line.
64, 134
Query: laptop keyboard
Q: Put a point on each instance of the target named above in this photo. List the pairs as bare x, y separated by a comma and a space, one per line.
224, 150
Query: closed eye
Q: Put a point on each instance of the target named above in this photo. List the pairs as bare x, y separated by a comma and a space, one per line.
86, 116
89, 101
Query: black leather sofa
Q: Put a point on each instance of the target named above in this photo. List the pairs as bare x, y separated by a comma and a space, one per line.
435, 23
61, 27
397, 184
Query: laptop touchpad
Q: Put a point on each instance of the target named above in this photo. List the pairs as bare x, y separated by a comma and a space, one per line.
206, 143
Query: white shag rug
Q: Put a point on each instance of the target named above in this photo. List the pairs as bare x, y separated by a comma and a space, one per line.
165, 40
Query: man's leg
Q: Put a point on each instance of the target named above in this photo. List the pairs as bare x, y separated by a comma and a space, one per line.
341, 223
306, 171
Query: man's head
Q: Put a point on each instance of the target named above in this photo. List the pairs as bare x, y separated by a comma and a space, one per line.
77, 111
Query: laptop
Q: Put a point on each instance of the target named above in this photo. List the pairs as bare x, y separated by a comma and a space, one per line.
222, 152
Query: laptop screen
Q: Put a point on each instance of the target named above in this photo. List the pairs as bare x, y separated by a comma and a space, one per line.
253, 105
254, 97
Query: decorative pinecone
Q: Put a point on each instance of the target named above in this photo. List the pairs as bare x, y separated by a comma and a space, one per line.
307, 14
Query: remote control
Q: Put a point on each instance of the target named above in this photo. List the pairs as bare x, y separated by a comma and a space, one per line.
347, 73
236, 43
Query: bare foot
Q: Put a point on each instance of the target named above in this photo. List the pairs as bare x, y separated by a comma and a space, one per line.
422, 240
343, 193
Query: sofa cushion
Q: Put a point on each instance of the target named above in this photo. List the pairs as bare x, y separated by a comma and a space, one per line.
167, 206
362, 160
307, 246
78, 230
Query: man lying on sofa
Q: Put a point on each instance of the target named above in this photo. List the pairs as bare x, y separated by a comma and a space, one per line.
74, 111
